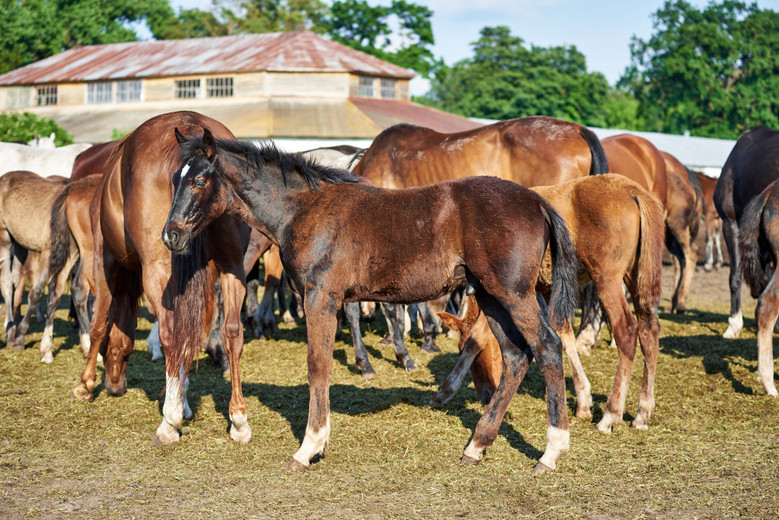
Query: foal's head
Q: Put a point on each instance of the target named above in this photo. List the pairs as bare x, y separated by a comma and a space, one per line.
199, 194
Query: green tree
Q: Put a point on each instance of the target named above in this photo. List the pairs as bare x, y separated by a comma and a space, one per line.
504, 79
368, 29
31, 30
25, 126
714, 71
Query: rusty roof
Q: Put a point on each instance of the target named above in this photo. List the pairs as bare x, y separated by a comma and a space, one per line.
388, 112
288, 51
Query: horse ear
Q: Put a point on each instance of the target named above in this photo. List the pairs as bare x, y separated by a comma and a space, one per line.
179, 138
209, 144
52, 137
451, 321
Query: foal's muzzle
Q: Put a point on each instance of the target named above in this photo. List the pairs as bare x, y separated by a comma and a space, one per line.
175, 238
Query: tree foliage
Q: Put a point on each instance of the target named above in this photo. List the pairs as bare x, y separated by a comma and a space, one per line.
714, 71
25, 126
504, 79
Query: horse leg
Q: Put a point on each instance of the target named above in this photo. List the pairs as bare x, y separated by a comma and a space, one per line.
649, 337
736, 320
718, 246
264, 321
37, 288
591, 322
581, 384
455, 378
395, 314
6, 283
709, 264
251, 297
153, 343
766, 314
429, 328
56, 289
321, 325
678, 243
352, 312
79, 293
623, 327
212, 332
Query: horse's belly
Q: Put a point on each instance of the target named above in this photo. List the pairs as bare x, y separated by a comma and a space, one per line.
407, 284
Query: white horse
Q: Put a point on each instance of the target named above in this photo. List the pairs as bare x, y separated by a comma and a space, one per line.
43, 161
43, 142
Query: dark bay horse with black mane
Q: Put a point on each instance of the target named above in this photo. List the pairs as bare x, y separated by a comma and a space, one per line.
128, 214
752, 165
345, 240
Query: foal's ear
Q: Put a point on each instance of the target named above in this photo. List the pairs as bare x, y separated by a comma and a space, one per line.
180, 138
451, 321
209, 144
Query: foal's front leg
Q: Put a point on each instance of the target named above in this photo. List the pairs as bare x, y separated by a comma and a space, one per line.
321, 321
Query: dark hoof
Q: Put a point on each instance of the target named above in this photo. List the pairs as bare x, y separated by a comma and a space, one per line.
680, 310
409, 365
431, 349
436, 400
18, 348
386, 340
368, 374
540, 469
294, 465
469, 460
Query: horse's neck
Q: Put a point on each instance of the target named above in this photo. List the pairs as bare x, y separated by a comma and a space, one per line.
266, 205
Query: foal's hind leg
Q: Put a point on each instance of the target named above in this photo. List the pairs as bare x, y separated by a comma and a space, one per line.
56, 289
37, 287
6, 283
736, 320
766, 313
352, 312
79, 293
581, 384
649, 336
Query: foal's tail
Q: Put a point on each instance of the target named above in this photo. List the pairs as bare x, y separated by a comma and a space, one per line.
751, 237
59, 234
565, 284
191, 282
650, 248
599, 164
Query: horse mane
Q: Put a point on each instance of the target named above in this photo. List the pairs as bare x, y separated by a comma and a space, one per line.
258, 157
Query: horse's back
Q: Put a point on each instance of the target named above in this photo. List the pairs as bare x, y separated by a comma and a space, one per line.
755, 165
639, 160
26, 203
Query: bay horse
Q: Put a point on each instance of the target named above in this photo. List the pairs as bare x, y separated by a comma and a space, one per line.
128, 214
712, 222
752, 165
32, 218
758, 241
345, 240
92, 160
621, 241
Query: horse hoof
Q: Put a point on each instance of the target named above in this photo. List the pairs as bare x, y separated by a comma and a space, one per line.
583, 413
431, 349
465, 459
295, 465
244, 436
640, 425
80, 392
368, 374
540, 469
603, 427
386, 340
161, 440
47, 358
731, 334
18, 348
410, 365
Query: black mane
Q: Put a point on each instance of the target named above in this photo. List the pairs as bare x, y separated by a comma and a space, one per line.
258, 157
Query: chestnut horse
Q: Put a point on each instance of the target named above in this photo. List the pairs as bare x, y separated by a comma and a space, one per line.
630, 230
759, 249
92, 160
127, 217
752, 165
711, 221
32, 218
344, 240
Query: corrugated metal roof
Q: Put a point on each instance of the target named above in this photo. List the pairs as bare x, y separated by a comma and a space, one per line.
289, 51
388, 112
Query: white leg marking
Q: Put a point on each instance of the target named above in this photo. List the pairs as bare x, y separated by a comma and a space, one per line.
187, 411
765, 359
473, 451
240, 430
85, 344
46, 344
557, 442
172, 412
735, 324
314, 443
153, 342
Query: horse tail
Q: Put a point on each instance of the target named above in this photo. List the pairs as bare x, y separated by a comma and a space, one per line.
650, 247
599, 162
753, 257
565, 265
59, 234
190, 281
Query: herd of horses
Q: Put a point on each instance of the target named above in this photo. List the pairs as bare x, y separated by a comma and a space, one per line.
522, 215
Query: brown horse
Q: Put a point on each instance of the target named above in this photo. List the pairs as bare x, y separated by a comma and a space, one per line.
683, 213
759, 249
712, 223
92, 160
637, 159
344, 240
127, 216
621, 241
32, 218
752, 165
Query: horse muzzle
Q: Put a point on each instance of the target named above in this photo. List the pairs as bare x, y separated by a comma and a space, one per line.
175, 238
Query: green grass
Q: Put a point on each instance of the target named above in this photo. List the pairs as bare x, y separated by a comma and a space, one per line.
711, 451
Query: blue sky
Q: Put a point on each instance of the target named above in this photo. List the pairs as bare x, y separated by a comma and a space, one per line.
600, 29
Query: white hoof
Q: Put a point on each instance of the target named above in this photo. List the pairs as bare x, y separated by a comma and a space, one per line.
47, 358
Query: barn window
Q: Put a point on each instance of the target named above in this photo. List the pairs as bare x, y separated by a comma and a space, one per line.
219, 87
388, 88
99, 92
47, 95
366, 86
187, 88
128, 91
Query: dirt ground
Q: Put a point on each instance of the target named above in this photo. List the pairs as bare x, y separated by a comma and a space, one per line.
712, 450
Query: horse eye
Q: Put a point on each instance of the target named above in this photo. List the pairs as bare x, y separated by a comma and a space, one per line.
200, 183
